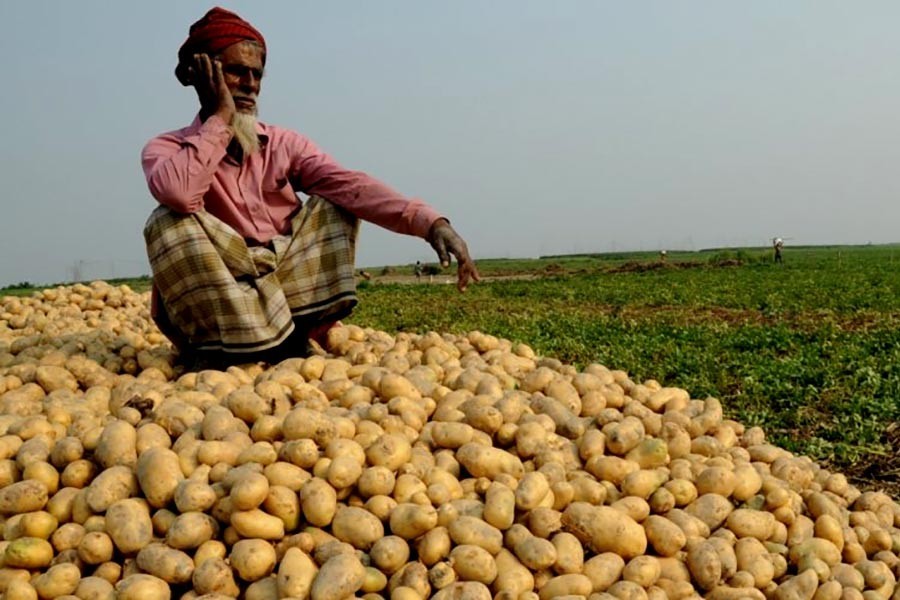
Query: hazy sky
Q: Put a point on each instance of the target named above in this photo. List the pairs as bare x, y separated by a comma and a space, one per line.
537, 127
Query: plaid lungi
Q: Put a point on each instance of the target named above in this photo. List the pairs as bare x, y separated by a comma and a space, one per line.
221, 294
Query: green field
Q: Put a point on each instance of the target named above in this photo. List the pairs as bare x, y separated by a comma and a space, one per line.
809, 350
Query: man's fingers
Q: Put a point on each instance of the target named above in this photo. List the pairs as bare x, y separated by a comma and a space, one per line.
466, 272
441, 248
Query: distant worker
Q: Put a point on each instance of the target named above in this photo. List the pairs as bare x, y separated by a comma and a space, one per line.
418, 270
778, 244
662, 255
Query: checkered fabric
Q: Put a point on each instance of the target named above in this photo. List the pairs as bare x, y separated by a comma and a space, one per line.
221, 294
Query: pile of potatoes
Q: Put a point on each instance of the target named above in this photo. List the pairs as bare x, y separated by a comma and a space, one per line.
407, 466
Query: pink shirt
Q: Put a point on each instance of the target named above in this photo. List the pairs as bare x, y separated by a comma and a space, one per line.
188, 170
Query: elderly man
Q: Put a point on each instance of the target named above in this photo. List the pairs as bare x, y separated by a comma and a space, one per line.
241, 268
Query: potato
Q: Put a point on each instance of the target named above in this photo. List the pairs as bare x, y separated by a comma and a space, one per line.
818, 548
24, 496
573, 584
712, 509
344, 471
282, 502
391, 552
142, 587
117, 445
434, 545
249, 491
18, 589
319, 502
604, 529
40, 524
500, 506
800, 587
95, 588
78, 473
111, 486
451, 435
357, 527
296, 573
339, 577
214, 576
158, 474
751, 523
512, 575
128, 524
569, 554
28, 553
643, 482
705, 565
257, 524
58, 580
170, 565
190, 530
66, 536
210, 549
473, 563
95, 547
535, 553
485, 461
252, 559
43, 472
666, 537
191, 496
390, 451
410, 520
474, 531
109, 571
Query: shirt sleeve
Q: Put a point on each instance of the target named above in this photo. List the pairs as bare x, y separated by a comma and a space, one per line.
179, 170
314, 172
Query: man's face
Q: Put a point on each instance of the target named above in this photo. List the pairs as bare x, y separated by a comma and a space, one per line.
242, 66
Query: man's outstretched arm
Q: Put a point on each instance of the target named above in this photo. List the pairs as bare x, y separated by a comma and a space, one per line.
315, 172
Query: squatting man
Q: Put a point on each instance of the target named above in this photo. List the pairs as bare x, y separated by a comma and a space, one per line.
241, 268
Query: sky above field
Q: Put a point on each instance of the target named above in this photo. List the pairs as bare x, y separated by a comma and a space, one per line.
536, 127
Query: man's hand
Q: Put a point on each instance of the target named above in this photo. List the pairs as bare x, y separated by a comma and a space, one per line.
445, 241
215, 98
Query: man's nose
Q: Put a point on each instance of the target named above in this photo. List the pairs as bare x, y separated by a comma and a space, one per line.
250, 83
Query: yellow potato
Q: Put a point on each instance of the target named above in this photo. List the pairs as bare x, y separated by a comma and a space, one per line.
170, 565
473, 563
319, 502
142, 587
59, 580
604, 529
474, 531
339, 577
28, 553
24, 496
252, 559
296, 573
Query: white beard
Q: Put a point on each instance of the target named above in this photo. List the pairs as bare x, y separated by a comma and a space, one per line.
244, 127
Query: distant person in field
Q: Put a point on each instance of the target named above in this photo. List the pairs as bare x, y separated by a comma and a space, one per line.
418, 270
778, 245
241, 266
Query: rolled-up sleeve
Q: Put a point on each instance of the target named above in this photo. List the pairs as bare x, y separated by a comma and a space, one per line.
314, 172
179, 170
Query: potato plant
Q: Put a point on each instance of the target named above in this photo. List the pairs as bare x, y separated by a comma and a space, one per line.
407, 466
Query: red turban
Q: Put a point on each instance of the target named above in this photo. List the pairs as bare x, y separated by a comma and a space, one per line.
217, 30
